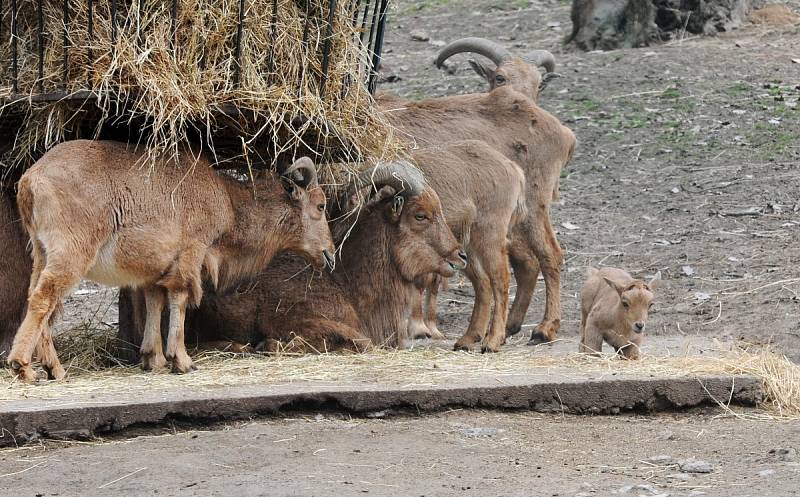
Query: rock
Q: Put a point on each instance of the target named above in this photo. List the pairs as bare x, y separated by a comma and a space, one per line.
788, 454
694, 466
418, 35
376, 414
766, 472
437, 43
666, 435
662, 460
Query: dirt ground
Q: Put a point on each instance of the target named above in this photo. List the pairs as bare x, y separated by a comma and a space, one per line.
455, 453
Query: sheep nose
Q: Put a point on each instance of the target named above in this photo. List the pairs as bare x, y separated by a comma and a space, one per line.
638, 327
463, 256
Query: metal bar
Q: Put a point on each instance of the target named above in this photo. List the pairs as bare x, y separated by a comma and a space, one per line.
40, 15
14, 54
326, 49
237, 56
89, 51
364, 20
174, 28
377, 48
1, 21
373, 24
65, 68
273, 36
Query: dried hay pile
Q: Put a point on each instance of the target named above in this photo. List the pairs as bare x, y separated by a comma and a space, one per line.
173, 91
92, 368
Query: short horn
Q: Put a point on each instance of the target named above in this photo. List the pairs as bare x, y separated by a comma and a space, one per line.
302, 172
542, 58
481, 46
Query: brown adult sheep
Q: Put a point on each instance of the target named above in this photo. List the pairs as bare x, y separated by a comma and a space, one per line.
91, 212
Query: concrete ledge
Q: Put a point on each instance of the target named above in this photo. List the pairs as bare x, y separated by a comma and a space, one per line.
25, 420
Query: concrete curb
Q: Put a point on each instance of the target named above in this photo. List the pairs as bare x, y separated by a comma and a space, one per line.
26, 420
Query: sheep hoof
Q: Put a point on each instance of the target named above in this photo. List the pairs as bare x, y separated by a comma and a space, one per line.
56, 372
24, 373
513, 329
538, 338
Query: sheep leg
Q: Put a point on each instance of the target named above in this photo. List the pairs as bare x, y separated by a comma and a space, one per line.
591, 340
499, 280
151, 350
526, 274
176, 348
482, 308
54, 283
416, 321
550, 256
430, 309
45, 350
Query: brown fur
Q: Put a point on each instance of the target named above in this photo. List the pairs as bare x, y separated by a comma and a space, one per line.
614, 309
485, 191
365, 300
15, 271
91, 212
514, 73
513, 124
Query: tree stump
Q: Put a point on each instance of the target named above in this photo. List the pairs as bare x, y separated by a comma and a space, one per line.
611, 24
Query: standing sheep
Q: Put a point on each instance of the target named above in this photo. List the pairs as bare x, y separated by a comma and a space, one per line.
614, 309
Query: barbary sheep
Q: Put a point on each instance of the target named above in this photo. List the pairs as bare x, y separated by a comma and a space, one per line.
514, 125
91, 212
15, 271
486, 193
614, 309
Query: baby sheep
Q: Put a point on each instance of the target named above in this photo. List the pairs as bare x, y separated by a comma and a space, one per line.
614, 308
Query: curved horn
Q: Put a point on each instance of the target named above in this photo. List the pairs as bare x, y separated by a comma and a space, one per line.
401, 175
481, 46
302, 172
541, 58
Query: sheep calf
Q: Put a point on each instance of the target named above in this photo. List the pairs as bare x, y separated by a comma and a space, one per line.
614, 309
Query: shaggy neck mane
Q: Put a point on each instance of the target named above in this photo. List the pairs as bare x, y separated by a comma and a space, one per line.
375, 287
255, 236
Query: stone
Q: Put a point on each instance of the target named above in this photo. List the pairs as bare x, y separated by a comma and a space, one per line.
788, 454
418, 35
695, 466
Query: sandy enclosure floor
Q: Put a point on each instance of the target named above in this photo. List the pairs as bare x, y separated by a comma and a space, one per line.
456, 453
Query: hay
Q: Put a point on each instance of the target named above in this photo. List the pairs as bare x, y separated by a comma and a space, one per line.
417, 368
173, 91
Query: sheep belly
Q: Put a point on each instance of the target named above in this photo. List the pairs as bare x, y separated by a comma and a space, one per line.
106, 271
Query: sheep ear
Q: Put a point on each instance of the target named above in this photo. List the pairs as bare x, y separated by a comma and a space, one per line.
396, 208
480, 69
613, 284
655, 281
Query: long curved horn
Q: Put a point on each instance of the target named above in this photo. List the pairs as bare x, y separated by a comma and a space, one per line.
541, 58
401, 175
481, 46
302, 172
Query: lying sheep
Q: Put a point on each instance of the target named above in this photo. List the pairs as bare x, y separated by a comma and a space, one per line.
614, 308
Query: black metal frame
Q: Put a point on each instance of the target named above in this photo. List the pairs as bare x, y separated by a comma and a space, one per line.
361, 9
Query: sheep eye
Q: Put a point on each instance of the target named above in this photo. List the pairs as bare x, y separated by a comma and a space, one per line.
500, 78
321, 207
420, 217
625, 304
